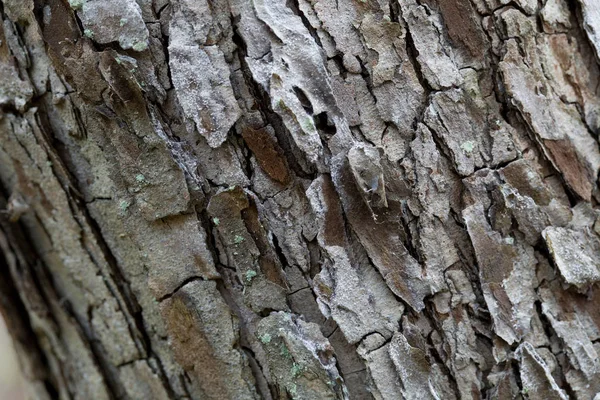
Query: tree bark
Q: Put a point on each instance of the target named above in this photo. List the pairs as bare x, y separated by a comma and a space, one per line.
304, 199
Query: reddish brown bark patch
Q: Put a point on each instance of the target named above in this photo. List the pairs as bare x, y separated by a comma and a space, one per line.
463, 25
267, 153
335, 233
576, 175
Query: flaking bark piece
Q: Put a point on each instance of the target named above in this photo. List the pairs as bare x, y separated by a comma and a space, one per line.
368, 174
575, 253
203, 334
300, 358
506, 269
348, 289
380, 236
107, 21
420, 379
242, 253
536, 377
200, 72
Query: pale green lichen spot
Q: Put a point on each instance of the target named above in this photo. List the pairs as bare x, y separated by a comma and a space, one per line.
468, 146
124, 205
76, 4
308, 125
238, 239
296, 369
266, 338
140, 46
250, 274
285, 352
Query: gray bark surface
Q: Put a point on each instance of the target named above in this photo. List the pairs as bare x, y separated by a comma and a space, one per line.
301, 199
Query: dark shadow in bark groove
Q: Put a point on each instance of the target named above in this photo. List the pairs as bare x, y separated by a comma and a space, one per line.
17, 318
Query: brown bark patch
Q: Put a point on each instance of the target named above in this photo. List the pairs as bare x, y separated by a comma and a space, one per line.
565, 157
463, 26
335, 233
267, 153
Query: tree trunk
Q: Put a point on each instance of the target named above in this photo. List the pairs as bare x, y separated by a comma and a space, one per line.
306, 199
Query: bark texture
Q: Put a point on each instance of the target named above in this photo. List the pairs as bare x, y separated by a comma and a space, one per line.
306, 199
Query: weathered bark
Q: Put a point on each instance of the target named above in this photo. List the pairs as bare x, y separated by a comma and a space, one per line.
239, 199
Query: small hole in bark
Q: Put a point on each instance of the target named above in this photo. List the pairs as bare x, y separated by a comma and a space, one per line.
303, 100
324, 124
